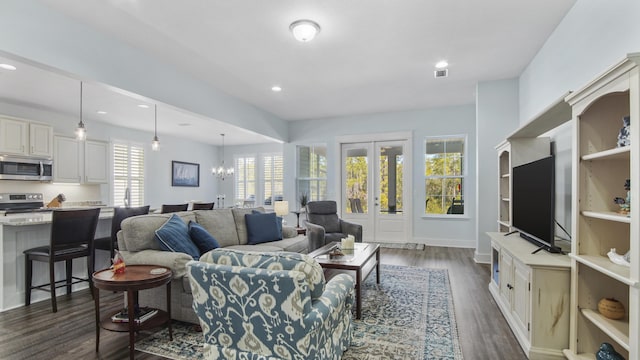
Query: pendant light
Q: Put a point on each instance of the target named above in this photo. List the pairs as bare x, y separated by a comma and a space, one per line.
221, 171
81, 131
155, 144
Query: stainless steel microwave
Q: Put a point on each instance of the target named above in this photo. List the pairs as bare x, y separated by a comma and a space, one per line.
19, 168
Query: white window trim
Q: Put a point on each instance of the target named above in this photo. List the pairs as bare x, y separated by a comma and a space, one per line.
129, 143
301, 178
464, 176
236, 170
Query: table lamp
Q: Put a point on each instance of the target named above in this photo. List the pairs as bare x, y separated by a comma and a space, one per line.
281, 208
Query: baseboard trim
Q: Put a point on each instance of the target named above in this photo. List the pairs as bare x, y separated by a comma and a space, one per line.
457, 243
482, 258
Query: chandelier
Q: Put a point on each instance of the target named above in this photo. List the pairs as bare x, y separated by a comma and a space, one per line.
221, 171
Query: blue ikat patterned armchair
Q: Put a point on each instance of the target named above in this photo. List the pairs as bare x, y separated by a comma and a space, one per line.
264, 306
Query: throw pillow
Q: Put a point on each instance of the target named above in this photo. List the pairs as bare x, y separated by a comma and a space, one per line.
173, 235
278, 221
261, 228
201, 237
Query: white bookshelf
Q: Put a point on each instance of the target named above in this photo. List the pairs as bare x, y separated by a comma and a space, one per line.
600, 169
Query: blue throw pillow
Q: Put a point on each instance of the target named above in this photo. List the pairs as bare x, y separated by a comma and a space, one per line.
262, 227
174, 236
201, 237
278, 221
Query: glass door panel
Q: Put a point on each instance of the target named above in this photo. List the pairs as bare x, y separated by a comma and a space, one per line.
356, 180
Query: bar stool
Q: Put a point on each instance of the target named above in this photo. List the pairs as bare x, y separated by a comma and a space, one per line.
110, 243
173, 208
203, 206
72, 233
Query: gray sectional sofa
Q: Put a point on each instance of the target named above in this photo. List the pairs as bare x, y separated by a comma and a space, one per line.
137, 244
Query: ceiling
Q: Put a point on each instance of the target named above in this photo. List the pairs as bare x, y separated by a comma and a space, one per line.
371, 55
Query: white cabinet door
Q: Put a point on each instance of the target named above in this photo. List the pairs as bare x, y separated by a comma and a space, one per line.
13, 136
96, 155
521, 298
66, 160
40, 140
506, 276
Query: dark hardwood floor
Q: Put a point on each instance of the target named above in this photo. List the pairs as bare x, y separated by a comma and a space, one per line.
34, 332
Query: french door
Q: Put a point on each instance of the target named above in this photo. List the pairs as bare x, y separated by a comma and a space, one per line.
374, 191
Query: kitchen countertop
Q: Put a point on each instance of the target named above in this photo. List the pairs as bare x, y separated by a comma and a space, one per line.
43, 218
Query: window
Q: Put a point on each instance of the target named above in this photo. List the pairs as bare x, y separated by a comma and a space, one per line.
444, 175
128, 174
272, 178
312, 172
245, 180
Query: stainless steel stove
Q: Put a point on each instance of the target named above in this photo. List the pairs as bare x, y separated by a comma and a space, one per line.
15, 203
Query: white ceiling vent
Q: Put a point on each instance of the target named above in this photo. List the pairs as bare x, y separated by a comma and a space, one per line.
440, 73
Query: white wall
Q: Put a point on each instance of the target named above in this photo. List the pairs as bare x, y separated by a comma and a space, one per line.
496, 117
158, 189
592, 37
38, 33
432, 122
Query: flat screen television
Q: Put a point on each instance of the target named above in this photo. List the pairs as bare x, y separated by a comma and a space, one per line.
533, 202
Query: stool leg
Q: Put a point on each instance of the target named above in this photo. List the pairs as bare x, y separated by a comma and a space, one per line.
27, 286
69, 273
90, 269
52, 284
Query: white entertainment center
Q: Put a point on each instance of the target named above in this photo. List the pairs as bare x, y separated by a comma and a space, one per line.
551, 300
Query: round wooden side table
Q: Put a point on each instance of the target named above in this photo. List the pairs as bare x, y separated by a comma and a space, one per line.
135, 278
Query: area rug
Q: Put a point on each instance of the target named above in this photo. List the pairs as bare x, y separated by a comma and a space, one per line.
409, 315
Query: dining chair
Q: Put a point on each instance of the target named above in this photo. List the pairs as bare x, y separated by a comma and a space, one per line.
72, 233
203, 206
173, 208
110, 243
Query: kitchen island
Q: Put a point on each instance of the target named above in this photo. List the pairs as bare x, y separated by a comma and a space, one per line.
19, 232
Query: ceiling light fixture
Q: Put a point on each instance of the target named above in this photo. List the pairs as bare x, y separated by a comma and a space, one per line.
221, 171
304, 30
7, 67
81, 131
276, 88
144, 106
442, 64
155, 144
101, 112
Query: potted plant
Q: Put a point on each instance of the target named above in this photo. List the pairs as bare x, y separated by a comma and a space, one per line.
304, 199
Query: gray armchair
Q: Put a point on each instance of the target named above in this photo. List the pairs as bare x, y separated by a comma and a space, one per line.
324, 226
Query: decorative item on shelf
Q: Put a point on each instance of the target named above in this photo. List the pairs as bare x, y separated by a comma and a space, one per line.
607, 352
625, 204
611, 308
57, 201
118, 263
617, 258
624, 137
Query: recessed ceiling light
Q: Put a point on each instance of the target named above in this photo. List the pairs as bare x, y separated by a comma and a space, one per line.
101, 112
304, 30
144, 106
442, 64
7, 67
184, 124
276, 88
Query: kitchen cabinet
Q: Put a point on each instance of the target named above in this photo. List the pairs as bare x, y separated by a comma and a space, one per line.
25, 138
84, 162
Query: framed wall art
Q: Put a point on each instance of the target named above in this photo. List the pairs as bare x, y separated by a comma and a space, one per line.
185, 174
